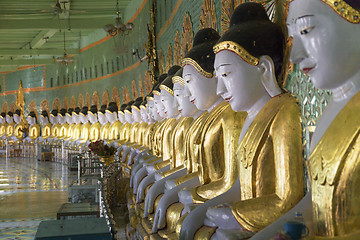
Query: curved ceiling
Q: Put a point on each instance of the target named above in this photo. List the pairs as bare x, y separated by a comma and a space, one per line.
32, 32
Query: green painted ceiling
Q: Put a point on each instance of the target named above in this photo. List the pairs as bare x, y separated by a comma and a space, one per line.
30, 30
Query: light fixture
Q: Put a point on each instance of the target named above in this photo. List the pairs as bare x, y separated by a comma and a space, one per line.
119, 26
65, 59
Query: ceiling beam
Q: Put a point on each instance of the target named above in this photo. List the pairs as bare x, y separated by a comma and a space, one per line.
42, 38
37, 24
19, 62
34, 52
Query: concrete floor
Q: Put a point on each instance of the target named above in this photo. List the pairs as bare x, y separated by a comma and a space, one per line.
30, 191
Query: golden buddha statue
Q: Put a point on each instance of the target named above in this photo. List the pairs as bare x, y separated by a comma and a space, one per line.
3, 124
85, 127
34, 128
10, 125
64, 126
326, 49
104, 123
55, 124
46, 125
270, 150
94, 131
76, 132
19, 126
71, 125
115, 124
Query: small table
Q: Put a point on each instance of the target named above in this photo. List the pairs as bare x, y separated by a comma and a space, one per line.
77, 209
79, 229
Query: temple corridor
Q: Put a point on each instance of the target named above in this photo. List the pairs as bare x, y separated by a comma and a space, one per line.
30, 191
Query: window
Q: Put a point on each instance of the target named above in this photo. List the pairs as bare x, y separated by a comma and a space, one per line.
58, 81
77, 76
72, 77
112, 66
107, 68
51, 82
96, 71
85, 73
64, 79
90, 72
102, 69
118, 63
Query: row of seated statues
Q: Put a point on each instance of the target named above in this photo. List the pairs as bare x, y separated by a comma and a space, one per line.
215, 150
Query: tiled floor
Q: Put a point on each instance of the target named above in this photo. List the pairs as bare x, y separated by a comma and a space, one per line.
30, 191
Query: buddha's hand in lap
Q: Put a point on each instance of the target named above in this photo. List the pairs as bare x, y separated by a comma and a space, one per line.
222, 216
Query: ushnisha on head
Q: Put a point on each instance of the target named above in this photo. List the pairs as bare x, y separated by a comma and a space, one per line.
167, 93
9, 117
198, 68
143, 111
325, 41
135, 109
101, 114
44, 117
62, 116
17, 115
54, 116
248, 63
68, 115
2, 117
157, 100
150, 106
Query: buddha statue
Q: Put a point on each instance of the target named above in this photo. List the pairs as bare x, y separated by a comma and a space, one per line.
95, 125
45, 126
115, 124
326, 48
55, 128
10, 125
248, 64
34, 127
76, 132
3, 124
70, 122
20, 127
188, 112
211, 164
85, 127
64, 125
104, 122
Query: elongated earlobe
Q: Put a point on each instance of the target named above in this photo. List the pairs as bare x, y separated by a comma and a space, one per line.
268, 78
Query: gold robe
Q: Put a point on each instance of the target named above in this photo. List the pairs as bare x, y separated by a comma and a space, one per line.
104, 131
218, 143
85, 133
334, 169
10, 129
76, 133
46, 131
69, 132
270, 164
55, 130
18, 130
63, 130
95, 132
114, 131
3, 129
34, 131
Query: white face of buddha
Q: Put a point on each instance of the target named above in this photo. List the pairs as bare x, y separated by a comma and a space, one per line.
182, 103
9, 119
200, 90
102, 118
167, 100
30, 120
43, 120
75, 118
325, 45
2, 120
239, 82
53, 119
92, 117
159, 106
111, 116
17, 118
136, 115
121, 117
144, 114
128, 117
153, 110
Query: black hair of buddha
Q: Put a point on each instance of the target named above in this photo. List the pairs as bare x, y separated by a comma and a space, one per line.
202, 50
3, 114
9, 113
85, 110
54, 112
122, 108
62, 112
70, 110
17, 112
44, 114
143, 103
138, 102
355, 4
112, 107
77, 110
168, 80
32, 114
179, 73
93, 109
102, 108
251, 28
